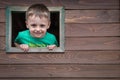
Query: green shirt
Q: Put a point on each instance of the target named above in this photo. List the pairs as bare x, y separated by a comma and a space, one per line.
24, 37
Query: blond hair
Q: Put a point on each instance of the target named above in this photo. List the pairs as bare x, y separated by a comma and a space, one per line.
38, 10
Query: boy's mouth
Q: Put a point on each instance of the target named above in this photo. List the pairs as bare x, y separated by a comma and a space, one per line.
38, 32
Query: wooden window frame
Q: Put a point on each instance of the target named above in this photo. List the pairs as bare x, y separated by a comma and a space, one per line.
10, 48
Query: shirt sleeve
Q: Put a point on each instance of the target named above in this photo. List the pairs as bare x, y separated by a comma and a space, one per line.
17, 40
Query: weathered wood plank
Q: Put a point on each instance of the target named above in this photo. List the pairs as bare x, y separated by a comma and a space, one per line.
92, 4
93, 43
92, 16
60, 71
76, 57
2, 43
59, 79
85, 43
2, 29
84, 16
85, 30
2, 15
68, 4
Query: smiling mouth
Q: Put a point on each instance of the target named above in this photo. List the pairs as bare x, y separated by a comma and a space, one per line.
38, 32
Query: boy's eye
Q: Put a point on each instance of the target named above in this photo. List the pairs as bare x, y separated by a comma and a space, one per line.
33, 25
42, 25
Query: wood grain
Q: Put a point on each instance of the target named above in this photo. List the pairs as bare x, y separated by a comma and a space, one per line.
92, 16
2, 29
2, 43
92, 30
72, 57
60, 78
60, 71
94, 43
2, 15
68, 4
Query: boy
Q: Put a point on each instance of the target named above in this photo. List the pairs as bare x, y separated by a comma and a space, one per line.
37, 22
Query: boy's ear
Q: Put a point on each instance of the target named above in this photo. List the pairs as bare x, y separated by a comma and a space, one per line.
26, 24
49, 25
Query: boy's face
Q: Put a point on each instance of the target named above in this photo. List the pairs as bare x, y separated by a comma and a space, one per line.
37, 26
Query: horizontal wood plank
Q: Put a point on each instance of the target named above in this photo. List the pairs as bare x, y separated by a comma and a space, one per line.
60, 71
2, 15
72, 57
87, 43
85, 30
84, 16
2, 29
93, 43
68, 4
92, 16
60, 79
2, 43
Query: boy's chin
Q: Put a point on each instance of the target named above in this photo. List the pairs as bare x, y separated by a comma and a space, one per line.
38, 36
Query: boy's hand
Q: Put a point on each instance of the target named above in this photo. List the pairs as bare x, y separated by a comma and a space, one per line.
51, 47
24, 47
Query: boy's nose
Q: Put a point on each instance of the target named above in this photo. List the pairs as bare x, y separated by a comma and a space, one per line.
38, 29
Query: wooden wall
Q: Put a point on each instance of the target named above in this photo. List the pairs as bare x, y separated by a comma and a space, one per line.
92, 48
